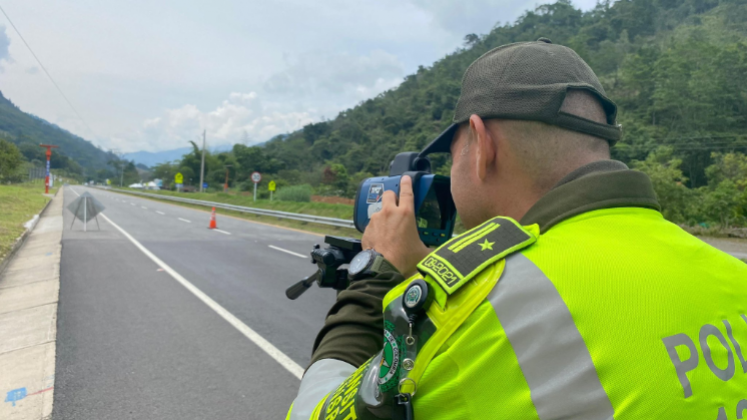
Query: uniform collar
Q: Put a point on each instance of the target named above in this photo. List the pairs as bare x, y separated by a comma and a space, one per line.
597, 185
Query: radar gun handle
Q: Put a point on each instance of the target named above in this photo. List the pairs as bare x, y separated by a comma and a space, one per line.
299, 288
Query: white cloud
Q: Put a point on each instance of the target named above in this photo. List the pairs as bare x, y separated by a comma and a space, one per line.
151, 75
474, 16
4, 46
326, 72
240, 113
311, 86
479, 16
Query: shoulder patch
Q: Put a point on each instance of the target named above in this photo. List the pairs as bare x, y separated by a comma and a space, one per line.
456, 262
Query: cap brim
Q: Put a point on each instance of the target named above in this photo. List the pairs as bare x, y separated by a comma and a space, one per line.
442, 143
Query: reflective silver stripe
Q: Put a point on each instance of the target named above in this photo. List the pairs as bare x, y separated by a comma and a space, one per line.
320, 379
552, 355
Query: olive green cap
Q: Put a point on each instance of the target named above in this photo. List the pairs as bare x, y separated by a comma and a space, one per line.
529, 81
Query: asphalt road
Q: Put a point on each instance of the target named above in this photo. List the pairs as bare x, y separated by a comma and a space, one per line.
134, 343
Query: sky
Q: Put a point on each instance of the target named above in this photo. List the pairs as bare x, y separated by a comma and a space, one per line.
152, 75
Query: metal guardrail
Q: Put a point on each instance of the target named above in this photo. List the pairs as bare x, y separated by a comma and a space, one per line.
330, 221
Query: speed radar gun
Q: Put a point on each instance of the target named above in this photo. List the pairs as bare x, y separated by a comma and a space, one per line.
435, 214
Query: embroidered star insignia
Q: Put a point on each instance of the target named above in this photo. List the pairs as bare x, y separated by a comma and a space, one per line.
487, 245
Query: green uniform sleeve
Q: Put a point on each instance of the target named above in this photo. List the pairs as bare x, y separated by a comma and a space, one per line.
353, 330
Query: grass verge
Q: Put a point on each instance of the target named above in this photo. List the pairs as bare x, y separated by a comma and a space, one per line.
18, 204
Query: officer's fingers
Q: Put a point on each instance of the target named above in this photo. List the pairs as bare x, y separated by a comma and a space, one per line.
388, 199
406, 197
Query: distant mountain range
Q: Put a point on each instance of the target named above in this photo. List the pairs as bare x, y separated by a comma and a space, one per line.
152, 159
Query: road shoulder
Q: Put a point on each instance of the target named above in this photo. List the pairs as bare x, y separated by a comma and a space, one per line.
29, 291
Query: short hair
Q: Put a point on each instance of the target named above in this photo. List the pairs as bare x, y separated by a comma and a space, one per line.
547, 152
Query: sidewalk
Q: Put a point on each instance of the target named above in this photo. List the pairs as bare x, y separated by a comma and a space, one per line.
29, 290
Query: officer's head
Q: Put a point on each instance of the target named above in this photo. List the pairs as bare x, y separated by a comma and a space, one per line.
529, 114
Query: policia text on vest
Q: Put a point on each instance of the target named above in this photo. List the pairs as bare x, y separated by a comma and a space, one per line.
710, 340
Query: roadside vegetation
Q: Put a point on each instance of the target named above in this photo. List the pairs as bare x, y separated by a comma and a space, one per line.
18, 204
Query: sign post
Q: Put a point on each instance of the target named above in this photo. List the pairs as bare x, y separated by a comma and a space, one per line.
256, 178
178, 180
271, 187
49, 156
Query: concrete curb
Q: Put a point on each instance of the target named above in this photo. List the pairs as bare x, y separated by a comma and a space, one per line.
29, 292
22, 239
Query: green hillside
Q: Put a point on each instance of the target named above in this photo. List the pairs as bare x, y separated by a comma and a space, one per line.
678, 70
76, 156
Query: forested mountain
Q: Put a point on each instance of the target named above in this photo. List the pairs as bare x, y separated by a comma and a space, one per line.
677, 69
75, 156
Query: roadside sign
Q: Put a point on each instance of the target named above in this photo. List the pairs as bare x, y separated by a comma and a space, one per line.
179, 186
179, 178
108, 182
204, 185
271, 186
256, 177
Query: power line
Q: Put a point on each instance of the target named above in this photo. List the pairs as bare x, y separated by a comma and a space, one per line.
46, 72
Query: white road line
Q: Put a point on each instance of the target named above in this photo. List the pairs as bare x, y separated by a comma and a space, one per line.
249, 333
132, 204
76, 192
161, 213
222, 231
184, 220
288, 252
144, 208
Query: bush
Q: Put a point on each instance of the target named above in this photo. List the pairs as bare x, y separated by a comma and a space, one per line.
299, 193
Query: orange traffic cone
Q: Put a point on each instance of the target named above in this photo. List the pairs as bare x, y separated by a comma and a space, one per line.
213, 223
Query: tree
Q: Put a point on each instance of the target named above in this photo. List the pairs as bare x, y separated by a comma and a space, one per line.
10, 160
470, 39
668, 180
131, 174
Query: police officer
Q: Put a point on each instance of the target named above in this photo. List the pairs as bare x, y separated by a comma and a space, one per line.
570, 297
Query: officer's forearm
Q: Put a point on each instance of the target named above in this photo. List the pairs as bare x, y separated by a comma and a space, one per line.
353, 329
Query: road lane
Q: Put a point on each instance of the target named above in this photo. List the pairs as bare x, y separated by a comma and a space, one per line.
241, 269
114, 291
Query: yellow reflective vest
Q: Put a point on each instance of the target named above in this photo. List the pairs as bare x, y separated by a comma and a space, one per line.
611, 314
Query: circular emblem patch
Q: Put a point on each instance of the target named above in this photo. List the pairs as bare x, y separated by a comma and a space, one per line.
389, 367
413, 296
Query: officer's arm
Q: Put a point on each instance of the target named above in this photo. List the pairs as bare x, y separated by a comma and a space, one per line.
352, 334
353, 330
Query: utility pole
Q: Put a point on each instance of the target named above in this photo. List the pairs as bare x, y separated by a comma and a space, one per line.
121, 169
202, 165
49, 156
119, 165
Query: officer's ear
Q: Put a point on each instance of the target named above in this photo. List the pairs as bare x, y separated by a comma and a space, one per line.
483, 141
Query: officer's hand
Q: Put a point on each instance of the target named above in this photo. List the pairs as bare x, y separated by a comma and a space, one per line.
393, 231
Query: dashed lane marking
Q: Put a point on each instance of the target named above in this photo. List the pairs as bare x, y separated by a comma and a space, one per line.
277, 248
161, 213
184, 220
249, 333
144, 208
222, 231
